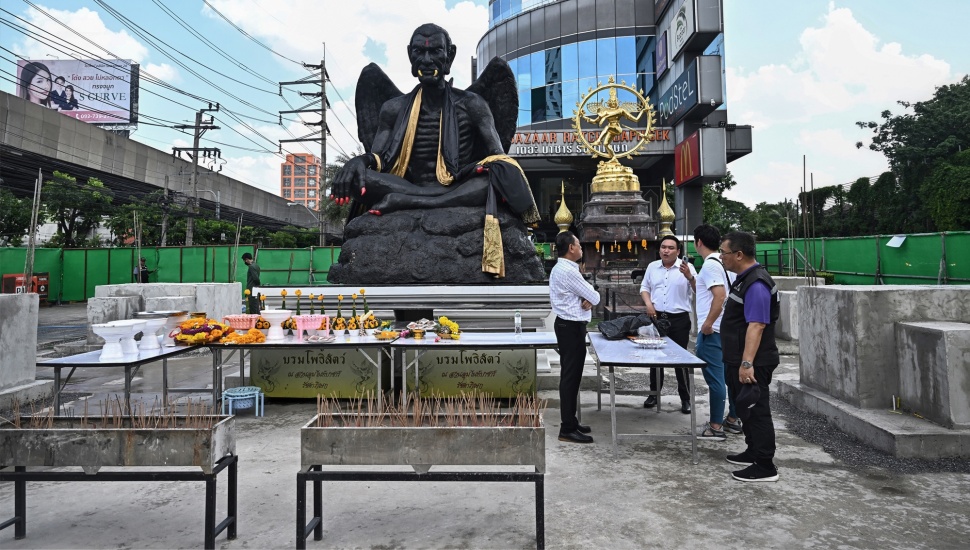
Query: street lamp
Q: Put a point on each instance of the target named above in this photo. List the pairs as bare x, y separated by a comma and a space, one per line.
315, 217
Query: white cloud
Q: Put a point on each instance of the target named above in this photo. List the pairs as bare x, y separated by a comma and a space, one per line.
162, 71
345, 33
808, 106
101, 42
840, 66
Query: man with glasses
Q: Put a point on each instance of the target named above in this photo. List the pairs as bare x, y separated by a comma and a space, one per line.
572, 300
710, 286
666, 292
750, 353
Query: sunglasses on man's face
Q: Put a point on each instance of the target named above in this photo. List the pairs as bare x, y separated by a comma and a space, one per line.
722, 251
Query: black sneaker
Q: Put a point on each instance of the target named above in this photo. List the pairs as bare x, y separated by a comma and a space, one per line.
741, 459
575, 437
756, 472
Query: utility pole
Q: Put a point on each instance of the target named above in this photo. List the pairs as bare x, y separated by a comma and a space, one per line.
199, 129
165, 213
320, 78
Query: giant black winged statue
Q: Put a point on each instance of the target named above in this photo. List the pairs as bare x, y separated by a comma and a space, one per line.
435, 160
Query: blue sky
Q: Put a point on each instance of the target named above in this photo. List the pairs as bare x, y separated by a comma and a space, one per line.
802, 74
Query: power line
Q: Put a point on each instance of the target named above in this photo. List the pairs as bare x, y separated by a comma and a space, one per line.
246, 34
209, 43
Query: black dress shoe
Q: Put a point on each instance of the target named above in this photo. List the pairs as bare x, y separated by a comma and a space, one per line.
685, 407
583, 429
575, 437
651, 402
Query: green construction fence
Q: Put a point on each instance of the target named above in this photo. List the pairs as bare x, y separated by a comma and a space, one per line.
928, 258
74, 273
924, 258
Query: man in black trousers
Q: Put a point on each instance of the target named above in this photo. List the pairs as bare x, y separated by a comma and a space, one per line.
572, 299
750, 354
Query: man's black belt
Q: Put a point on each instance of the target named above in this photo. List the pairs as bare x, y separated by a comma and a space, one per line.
558, 318
665, 315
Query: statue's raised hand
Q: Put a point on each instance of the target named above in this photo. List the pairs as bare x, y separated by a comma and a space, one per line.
349, 181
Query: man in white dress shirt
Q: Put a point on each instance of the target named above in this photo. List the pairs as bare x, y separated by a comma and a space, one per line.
572, 298
666, 293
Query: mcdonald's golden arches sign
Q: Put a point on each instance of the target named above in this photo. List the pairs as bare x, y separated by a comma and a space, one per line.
687, 159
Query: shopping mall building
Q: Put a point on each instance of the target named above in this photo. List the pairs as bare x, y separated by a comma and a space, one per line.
672, 50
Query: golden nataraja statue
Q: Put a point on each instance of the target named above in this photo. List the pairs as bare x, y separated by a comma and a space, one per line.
610, 114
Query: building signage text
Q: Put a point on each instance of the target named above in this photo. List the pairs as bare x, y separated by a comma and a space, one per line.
679, 98
565, 143
682, 28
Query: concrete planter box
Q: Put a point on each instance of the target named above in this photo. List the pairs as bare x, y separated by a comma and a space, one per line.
422, 446
68, 444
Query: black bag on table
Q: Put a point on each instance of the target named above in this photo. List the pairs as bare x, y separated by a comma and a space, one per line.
621, 327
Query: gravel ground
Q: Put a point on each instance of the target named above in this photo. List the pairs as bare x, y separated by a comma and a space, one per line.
853, 453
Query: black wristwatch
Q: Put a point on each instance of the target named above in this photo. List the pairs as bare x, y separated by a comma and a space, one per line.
746, 365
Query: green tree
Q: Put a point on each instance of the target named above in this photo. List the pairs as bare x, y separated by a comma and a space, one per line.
149, 213
722, 213
76, 208
15, 218
282, 239
769, 222
330, 211
946, 192
915, 142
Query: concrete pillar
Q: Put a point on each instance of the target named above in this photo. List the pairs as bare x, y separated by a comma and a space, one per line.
18, 338
787, 328
847, 338
934, 370
18, 351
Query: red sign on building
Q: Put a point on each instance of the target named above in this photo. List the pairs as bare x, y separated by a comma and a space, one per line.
687, 159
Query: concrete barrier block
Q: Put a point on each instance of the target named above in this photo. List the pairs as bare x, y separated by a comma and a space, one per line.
847, 338
934, 370
147, 290
787, 328
102, 310
220, 299
170, 303
792, 283
18, 339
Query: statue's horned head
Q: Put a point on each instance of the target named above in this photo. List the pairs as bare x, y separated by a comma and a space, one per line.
431, 53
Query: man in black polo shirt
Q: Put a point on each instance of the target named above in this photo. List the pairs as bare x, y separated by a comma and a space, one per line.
750, 354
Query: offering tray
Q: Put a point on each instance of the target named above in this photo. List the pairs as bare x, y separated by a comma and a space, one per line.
650, 343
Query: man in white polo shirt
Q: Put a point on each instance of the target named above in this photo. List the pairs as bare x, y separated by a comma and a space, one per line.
710, 286
666, 293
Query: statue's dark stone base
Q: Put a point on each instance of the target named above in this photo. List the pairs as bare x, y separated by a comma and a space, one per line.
442, 246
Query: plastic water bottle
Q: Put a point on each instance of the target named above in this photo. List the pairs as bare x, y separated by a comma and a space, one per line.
518, 324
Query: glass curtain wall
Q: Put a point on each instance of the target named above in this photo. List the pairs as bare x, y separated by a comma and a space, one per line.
552, 81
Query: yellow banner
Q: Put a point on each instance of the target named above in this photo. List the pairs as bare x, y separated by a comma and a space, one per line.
500, 373
308, 372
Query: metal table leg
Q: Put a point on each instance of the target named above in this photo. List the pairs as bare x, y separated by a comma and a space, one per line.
616, 454
128, 377
165, 383
216, 361
57, 390
693, 414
